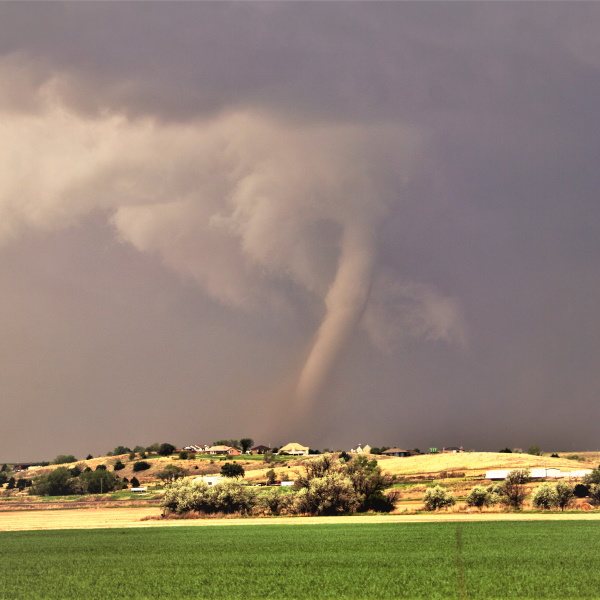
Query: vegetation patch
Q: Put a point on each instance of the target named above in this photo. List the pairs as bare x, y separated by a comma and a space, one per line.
346, 561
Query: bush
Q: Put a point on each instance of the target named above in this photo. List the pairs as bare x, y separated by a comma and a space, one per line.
275, 503
101, 468
134, 482
118, 466
141, 465
271, 477
121, 450
544, 496
437, 497
183, 455
480, 496
227, 497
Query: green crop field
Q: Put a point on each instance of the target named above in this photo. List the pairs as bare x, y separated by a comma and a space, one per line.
368, 561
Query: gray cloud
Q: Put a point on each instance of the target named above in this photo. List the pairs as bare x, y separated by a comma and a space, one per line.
392, 201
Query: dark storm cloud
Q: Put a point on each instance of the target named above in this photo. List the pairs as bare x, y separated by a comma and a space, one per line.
417, 182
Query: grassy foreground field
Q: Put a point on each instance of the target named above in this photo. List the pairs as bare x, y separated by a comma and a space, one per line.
367, 561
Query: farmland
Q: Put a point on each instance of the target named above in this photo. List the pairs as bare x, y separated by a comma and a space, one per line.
341, 561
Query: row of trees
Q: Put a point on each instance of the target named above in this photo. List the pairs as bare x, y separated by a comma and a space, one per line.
62, 482
513, 491
328, 486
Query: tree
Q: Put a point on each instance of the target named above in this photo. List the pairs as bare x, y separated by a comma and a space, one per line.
328, 495
344, 456
134, 482
153, 448
544, 496
76, 471
269, 456
141, 465
564, 494
5, 468
3, 477
480, 496
593, 477
99, 481
232, 470
61, 459
437, 497
56, 483
376, 450
513, 488
171, 473
139, 450
118, 466
535, 450
183, 455
506, 450
121, 450
101, 468
11, 484
89, 457
581, 490
246, 444
166, 449
231, 443
271, 477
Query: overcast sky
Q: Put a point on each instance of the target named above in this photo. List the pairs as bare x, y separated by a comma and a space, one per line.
331, 223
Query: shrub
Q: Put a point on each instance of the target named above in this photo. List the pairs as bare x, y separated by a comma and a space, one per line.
534, 450
118, 466
506, 450
480, 496
275, 503
134, 482
89, 457
544, 496
141, 465
437, 497
183, 455
271, 477
101, 468
554, 455
228, 497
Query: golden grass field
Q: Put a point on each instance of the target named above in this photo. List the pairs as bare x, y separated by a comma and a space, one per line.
477, 463
102, 518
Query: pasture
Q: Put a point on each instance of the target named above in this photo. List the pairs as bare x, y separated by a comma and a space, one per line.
541, 559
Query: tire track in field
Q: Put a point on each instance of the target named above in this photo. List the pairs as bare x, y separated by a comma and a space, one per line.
460, 565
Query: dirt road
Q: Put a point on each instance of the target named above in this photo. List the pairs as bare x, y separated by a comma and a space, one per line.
131, 517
